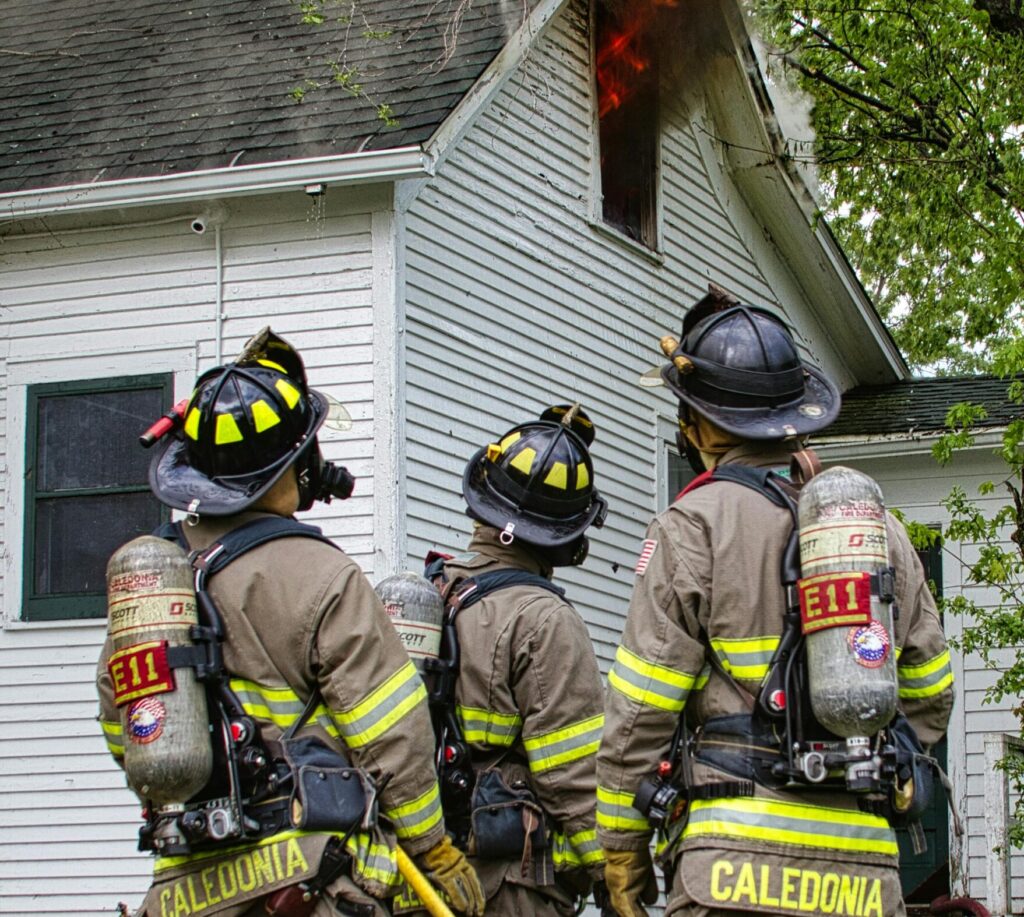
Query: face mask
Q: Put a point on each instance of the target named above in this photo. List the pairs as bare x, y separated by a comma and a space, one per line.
321, 480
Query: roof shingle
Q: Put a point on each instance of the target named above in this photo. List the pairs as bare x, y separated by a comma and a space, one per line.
111, 90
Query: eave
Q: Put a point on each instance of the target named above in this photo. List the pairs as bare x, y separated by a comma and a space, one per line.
298, 174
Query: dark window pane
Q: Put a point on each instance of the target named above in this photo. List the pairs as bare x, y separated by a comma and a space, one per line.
75, 537
679, 474
92, 440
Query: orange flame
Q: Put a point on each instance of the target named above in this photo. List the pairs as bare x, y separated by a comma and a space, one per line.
622, 55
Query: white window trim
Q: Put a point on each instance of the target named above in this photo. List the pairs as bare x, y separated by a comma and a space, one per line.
66, 365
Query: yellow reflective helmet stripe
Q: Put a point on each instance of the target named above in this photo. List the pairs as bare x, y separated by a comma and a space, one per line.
562, 746
616, 813
270, 364
649, 683
288, 391
790, 823
192, 424
227, 430
263, 416
582, 476
523, 461
509, 440
926, 680
558, 476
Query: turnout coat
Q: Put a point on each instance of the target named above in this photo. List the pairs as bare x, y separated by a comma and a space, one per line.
708, 583
299, 614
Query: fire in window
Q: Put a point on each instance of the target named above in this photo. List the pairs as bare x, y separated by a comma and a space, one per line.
626, 63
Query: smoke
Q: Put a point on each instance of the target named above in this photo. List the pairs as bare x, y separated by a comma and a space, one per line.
793, 112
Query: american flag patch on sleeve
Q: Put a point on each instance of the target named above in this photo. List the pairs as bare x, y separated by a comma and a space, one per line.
646, 553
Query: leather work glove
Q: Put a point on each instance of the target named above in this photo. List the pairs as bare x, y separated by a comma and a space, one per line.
629, 875
448, 868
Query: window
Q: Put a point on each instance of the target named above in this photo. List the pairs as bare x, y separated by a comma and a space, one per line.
86, 490
626, 67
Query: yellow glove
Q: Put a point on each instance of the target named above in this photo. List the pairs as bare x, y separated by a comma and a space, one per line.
448, 868
629, 875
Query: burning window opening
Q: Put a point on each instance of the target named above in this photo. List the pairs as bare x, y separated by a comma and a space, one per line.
627, 76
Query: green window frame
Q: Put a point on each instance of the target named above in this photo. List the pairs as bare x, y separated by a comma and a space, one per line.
67, 604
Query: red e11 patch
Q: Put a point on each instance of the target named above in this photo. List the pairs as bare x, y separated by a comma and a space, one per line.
834, 600
139, 671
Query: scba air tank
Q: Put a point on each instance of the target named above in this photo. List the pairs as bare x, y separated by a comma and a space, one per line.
415, 607
848, 631
151, 604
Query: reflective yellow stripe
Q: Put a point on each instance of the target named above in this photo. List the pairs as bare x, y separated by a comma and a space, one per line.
558, 476
488, 727
791, 824
581, 849
383, 707
615, 811
416, 818
649, 683
280, 706
564, 745
746, 659
928, 679
114, 735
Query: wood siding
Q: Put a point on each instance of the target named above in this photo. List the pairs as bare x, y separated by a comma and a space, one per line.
515, 300
917, 485
122, 299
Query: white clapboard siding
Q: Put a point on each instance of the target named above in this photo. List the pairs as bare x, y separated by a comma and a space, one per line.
514, 302
917, 485
119, 300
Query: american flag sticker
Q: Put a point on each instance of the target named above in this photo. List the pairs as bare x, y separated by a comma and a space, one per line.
646, 553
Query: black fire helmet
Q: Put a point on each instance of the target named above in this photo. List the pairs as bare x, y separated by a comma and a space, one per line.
537, 482
740, 368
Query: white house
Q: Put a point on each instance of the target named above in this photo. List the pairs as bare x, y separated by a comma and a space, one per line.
173, 177
888, 432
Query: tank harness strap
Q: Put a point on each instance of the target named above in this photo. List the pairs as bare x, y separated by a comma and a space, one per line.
205, 655
458, 777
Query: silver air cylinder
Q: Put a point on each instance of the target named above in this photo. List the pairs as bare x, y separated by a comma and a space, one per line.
415, 608
851, 654
151, 604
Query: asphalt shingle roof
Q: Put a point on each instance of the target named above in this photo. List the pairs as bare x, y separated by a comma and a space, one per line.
920, 405
103, 90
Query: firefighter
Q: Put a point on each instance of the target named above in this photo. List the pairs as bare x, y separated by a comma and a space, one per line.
528, 694
301, 622
704, 621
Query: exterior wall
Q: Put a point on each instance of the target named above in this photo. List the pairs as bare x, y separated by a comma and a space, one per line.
94, 301
516, 300
914, 483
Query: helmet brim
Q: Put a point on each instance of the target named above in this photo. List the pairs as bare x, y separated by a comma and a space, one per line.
176, 484
815, 411
541, 531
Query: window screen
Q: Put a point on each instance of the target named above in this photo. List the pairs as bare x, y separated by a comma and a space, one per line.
86, 490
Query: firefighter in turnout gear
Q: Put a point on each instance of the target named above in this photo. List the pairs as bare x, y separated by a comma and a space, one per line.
685, 746
527, 699
322, 700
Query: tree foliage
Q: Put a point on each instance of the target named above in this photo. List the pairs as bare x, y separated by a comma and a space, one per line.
919, 140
